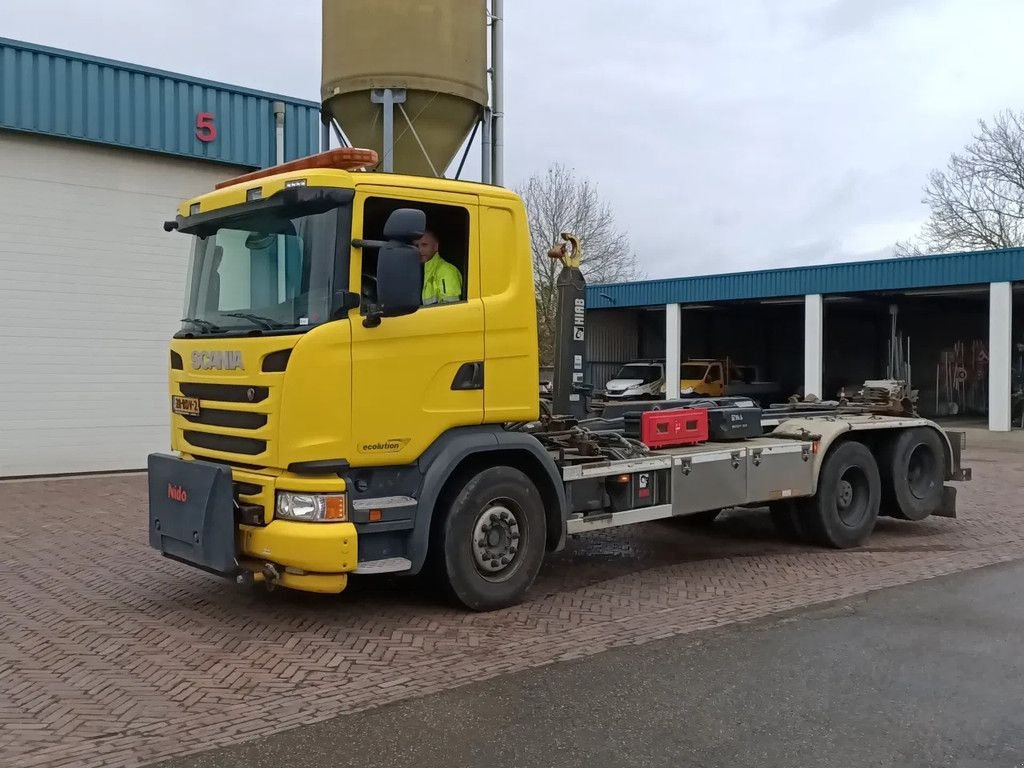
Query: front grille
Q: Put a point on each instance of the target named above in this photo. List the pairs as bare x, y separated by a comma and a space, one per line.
202, 433
225, 393
214, 417
225, 443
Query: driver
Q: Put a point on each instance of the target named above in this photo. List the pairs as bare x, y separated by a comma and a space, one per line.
442, 282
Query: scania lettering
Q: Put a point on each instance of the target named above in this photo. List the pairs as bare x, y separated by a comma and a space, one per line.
309, 344
220, 361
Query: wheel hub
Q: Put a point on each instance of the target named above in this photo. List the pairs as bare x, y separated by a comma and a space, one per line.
496, 539
845, 494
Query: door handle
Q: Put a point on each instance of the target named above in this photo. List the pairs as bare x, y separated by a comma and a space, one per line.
470, 376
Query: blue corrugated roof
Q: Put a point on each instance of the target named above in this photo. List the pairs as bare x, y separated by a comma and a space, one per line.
949, 269
74, 96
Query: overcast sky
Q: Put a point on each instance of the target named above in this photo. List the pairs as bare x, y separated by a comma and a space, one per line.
727, 135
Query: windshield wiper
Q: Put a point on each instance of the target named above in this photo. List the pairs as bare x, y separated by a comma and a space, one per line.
206, 325
264, 322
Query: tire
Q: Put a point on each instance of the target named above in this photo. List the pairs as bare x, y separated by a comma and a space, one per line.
497, 512
912, 468
699, 519
788, 522
843, 512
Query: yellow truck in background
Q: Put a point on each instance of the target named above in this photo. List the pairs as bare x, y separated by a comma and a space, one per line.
715, 377
324, 422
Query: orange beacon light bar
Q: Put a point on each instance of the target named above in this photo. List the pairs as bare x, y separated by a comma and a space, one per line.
341, 159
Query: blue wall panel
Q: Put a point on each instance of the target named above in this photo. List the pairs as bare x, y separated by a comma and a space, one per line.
882, 275
58, 93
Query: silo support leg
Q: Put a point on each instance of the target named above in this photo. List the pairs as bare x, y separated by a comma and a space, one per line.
388, 98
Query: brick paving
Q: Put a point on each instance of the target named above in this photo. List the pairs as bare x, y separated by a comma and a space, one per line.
113, 656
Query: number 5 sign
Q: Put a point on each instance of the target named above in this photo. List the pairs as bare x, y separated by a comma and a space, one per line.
206, 131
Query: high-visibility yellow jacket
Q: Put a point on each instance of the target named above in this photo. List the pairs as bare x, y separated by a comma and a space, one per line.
442, 282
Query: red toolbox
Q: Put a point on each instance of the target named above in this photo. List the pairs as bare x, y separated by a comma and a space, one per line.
668, 429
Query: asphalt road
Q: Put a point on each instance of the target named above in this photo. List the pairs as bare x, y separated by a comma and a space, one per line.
931, 674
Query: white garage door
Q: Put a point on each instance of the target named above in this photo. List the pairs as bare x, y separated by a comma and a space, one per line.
90, 293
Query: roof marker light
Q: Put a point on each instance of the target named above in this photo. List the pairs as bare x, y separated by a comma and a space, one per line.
341, 159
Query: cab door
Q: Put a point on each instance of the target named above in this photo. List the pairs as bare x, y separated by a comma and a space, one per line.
416, 376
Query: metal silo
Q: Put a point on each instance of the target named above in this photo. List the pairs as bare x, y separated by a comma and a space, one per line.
414, 70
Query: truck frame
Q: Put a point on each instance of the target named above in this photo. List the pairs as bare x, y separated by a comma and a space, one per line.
301, 456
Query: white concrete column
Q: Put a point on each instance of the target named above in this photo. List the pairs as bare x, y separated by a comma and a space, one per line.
1000, 355
673, 343
814, 328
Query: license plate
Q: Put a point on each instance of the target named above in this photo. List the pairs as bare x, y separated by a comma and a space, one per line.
186, 406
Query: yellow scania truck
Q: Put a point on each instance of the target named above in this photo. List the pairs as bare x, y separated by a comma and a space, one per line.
325, 423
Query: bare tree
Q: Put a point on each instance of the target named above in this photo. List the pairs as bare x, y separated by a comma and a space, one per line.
977, 202
557, 201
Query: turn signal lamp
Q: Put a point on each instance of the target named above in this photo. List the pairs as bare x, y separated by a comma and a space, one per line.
341, 159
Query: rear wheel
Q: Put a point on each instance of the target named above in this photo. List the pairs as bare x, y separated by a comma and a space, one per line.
912, 469
843, 512
493, 539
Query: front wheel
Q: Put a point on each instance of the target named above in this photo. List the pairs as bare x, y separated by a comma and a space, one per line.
493, 539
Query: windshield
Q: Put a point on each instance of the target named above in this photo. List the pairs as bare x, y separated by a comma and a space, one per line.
691, 371
269, 270
646, 373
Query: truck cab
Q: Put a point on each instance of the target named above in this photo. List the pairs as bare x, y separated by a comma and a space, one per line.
299, 386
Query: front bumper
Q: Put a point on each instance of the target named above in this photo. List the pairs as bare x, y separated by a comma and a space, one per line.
200, 515
315, 557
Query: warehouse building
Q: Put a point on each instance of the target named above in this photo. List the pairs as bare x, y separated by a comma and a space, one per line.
94, 156
952, 323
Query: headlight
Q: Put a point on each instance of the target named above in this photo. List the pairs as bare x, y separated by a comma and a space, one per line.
686, 391
312, 507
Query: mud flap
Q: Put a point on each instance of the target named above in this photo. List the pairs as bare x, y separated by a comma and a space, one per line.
947, 507
191, 513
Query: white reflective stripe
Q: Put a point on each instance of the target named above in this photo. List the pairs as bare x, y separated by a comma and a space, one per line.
384, 502
428, 302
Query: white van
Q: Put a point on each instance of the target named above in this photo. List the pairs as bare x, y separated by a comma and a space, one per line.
636, 381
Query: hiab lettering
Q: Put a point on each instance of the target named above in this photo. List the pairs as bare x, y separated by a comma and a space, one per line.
176, 493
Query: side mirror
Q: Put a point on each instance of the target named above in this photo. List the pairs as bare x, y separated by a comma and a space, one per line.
398, 279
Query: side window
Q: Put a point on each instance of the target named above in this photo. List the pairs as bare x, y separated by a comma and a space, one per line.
714, 374
444, 250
